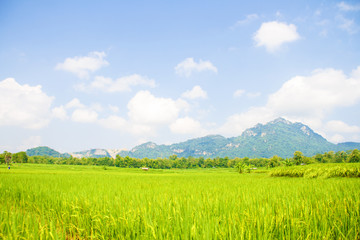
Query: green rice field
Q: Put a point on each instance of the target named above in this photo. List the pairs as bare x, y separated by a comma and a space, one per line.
93, 202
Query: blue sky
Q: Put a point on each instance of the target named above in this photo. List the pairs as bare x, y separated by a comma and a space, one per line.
76, 75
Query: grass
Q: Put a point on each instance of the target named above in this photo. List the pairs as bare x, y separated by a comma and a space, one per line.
350, 170
87, 202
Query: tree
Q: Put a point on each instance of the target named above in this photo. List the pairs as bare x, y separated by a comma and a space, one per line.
240, 166
274, 161
318, 158
341, 157
354, 156
288, 162
328, 157
20, 157
298, 157
7, 157
249, 168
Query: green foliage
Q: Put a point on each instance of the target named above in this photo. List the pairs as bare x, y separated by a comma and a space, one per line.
274, 161
288, 162
7, 157
319, 170
185, 163
354, 156
240, 166
20, 157
298, 158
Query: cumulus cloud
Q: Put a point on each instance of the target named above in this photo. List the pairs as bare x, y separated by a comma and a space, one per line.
23, 105
74, 103
315, 95
185, 125
237, 123
272, 35
123, 84
195, 92
356, 73
341, 127
145, 108
339, 131
309, 99
82, 66
59, 112
188, 66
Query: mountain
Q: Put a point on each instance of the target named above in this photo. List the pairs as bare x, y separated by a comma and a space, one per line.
278, 137
45, 151
97, 153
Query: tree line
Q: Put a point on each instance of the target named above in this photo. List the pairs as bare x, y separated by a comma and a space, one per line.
190, 162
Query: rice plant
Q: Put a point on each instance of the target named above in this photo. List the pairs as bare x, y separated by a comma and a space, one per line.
349, 170
83, 202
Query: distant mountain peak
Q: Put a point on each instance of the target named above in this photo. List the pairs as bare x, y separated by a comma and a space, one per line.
280, 120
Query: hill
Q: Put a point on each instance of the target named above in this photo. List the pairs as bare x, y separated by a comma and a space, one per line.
278, 137
45, 151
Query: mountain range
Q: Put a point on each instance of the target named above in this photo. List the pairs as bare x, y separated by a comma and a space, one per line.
278, 137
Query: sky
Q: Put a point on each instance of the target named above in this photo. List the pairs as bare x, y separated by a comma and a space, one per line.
78, 75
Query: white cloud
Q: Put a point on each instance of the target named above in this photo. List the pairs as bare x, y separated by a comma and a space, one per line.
122, 84
308, 99
347, 7
74, 103
186, 125
237, 123
59, 112
23, 105
341, 127
188, 66
272, 35
145, 108
356, 73
238, 93
195, 92
83, 66
315, 95
84, 115
337, 138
